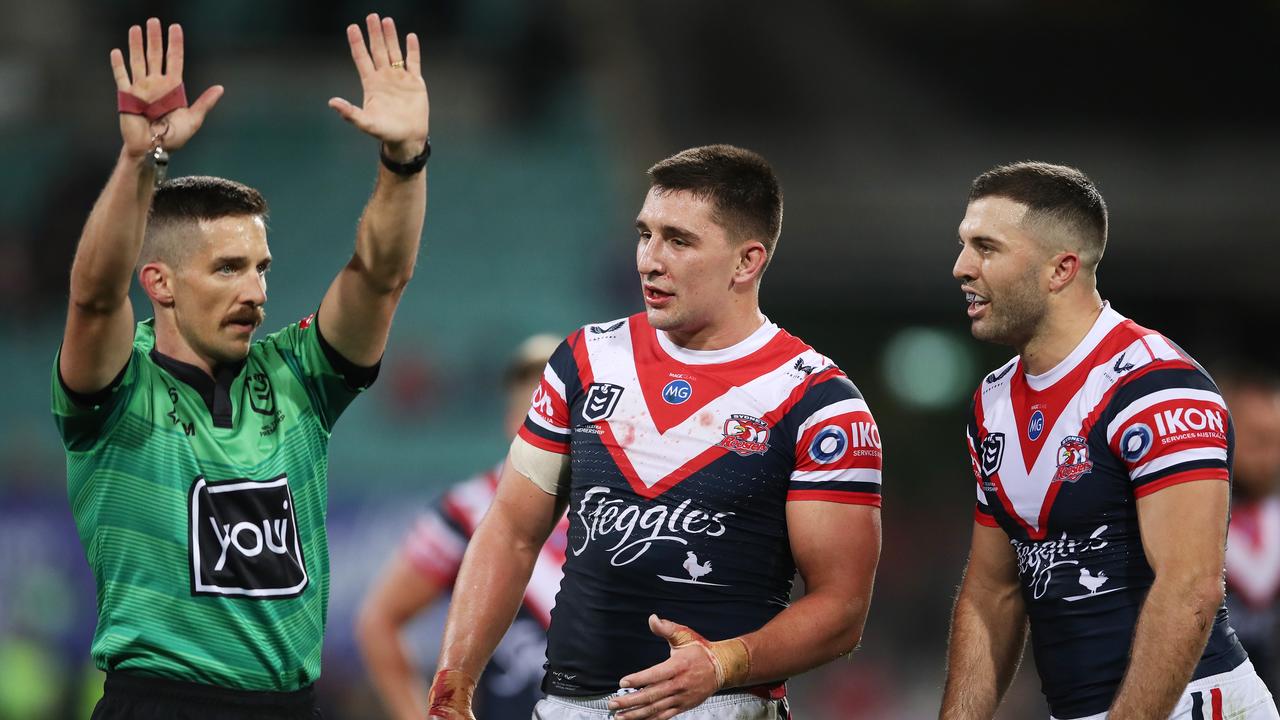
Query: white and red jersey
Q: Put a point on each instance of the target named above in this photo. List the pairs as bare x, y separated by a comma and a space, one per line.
1253, 581
511, 684
682, 463
1060, 460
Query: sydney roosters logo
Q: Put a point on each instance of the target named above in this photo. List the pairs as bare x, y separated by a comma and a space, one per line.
1073, 459
745, 435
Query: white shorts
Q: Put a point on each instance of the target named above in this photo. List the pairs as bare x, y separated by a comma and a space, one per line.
730, 706
1235, 695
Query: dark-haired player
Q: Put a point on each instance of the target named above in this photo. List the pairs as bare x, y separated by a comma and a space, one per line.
704, 455
196, 457
1103, 461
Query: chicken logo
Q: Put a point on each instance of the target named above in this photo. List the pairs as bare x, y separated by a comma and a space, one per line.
695, 570
745, 435
1073, 459
1092, 582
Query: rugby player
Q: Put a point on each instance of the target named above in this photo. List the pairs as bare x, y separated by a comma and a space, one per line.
1253, 538
428, 564
196, 457
704, 455
1102, 455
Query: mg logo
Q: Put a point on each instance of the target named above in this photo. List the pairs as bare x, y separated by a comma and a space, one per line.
676, 392
1036, 426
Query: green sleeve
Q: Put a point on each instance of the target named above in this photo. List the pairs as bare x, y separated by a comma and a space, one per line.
84, 420
332, 381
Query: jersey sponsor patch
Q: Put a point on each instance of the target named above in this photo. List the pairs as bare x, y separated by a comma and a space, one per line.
244, 539
676, 392
1169, 428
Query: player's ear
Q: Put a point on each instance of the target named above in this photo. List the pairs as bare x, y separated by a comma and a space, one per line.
1066, 266
156, 279
752, 257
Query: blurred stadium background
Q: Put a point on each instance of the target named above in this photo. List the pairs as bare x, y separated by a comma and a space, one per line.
545, 113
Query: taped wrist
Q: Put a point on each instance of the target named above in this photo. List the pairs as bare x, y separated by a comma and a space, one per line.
450, 697
732, 660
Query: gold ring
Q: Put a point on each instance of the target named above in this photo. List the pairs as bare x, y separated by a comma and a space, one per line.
399, 64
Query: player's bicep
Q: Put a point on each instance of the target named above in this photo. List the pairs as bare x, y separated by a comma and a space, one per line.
835, 545
993, 565
523, 512
95, 348
1184, 530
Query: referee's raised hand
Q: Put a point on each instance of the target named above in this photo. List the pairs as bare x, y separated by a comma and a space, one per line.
151, 77
395, 109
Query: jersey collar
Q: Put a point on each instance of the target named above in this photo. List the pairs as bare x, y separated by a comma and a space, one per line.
1107, 320
741, 349
215, 391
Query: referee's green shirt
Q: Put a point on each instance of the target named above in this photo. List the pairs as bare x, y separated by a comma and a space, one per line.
201, 507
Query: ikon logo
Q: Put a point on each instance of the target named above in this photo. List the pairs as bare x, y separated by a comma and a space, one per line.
1181, 420
244, 539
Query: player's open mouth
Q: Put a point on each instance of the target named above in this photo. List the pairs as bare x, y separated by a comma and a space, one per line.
977, 303
656, 298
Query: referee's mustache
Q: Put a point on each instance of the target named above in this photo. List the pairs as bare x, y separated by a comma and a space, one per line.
254, 315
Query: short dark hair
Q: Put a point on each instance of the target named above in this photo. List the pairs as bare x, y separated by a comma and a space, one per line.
191, 199
739, 183
1057, 193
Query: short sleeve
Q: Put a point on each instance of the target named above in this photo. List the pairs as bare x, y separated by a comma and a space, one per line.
83, 420
332, 381
838, 453
548, 425
1168, 427
982, 509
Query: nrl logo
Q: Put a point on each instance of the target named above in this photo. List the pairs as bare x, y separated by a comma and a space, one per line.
601, 401
990, 456
745, 435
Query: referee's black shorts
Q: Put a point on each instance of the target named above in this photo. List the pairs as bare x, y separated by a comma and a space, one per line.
139, 697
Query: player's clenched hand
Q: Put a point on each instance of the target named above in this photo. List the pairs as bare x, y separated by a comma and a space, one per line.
450, 697
696, 669
395, 108
152, 73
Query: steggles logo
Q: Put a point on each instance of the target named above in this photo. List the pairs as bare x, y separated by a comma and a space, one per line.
637, 528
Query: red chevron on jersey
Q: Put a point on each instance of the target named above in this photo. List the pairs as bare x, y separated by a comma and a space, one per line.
759, 380
1052, 414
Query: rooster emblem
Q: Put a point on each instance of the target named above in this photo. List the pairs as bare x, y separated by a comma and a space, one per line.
1092, 582
695, 569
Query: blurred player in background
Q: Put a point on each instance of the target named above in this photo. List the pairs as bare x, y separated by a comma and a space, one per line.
705, 455
427, 565
1102, 455
196, 458
1253, 540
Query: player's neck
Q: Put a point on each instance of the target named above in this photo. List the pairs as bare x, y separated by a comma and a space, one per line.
1063, 329
719, 335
